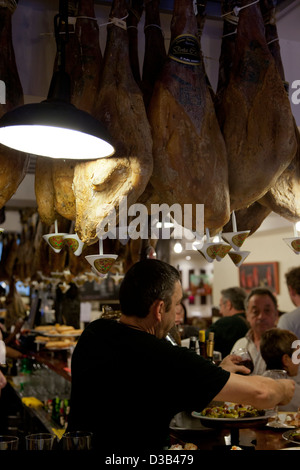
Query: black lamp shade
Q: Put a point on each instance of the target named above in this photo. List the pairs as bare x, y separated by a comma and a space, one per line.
55, 128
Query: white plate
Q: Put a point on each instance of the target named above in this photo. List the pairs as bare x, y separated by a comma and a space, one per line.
290, 448
288, 436
184, 422
282, 424
196, 414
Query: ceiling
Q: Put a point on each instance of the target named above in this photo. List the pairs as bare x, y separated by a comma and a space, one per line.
213, 7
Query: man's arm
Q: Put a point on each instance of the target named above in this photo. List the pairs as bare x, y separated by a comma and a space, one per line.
260, 392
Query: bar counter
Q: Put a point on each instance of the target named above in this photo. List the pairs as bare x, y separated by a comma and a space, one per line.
56, 361
183, 428
255, 437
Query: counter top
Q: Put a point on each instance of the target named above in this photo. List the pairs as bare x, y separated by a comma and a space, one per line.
258, 437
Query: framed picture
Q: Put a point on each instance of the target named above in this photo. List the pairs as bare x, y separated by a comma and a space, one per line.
259, 275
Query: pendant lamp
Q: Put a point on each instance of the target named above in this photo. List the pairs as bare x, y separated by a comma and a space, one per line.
55, 128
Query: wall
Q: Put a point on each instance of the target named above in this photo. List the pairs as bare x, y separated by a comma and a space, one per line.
264, 246
267, 246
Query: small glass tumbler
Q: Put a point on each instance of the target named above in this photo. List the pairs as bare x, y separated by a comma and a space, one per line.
9, 443
40, 441
77, 440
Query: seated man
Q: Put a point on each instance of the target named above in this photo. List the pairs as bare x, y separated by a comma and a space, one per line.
261, 314
233, 324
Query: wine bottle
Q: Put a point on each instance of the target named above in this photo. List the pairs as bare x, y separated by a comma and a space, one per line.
202, 346
193, 342
210, 346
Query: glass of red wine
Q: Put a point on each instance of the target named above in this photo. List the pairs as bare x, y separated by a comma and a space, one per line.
246, 359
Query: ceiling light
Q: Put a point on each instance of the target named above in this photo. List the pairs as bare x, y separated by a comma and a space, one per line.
178, 247
56, 128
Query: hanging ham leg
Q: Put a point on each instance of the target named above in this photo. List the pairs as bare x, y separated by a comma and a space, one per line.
54, 179
258, 123
190, 165
135, 11
44, 190
226, 58
13, 164
86, 80
99, 186
249, 218
84, 65
155, 51
284, 196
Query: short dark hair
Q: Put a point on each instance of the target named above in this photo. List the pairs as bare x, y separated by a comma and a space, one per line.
236, 295
146, 281
261, 291
292, 278
274, 343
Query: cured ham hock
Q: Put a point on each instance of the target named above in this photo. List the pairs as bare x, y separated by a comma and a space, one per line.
13, 164
255, 114
190, 163
100, 186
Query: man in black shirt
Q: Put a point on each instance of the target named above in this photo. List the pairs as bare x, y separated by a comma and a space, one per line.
127, 380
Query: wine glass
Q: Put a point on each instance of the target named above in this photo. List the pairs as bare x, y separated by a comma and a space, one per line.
40, 441
246, 359
276, 374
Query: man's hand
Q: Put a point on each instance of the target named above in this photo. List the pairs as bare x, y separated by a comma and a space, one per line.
288, 386
231, 364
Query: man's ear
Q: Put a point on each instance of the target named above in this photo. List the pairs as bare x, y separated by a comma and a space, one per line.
285, 360
292, 291
158, 307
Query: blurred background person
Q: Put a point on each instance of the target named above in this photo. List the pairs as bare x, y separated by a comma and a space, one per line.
277, 351
233, 324
262, 315
291, 320
185, 329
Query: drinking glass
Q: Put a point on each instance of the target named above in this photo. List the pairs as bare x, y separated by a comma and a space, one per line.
9, 443
40, 441
217, 357
276, 374
77, 440
246, 358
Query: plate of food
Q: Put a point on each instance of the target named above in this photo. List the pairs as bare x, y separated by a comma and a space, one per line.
292, 436
232, 414
59, 344
57, 330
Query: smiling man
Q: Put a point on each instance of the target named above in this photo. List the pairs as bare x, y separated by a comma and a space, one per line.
261, 314
127, 379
